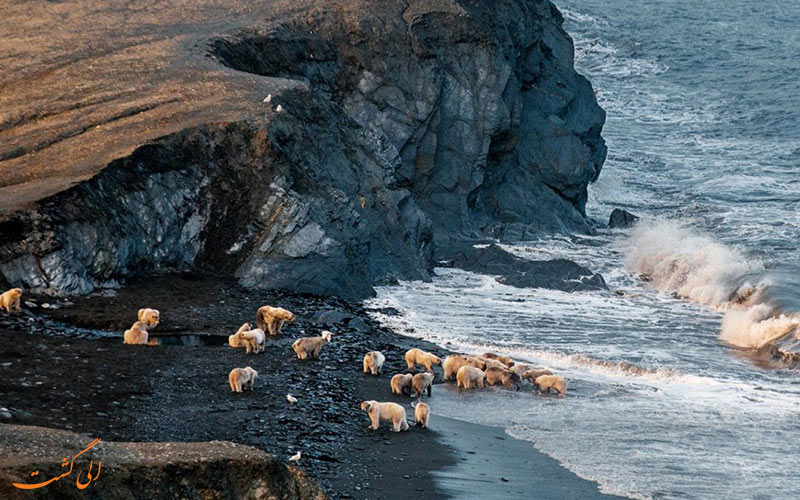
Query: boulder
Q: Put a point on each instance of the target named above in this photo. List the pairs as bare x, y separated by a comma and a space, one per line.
621, 218
556, 274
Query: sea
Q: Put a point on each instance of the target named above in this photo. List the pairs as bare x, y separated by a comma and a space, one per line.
684, 378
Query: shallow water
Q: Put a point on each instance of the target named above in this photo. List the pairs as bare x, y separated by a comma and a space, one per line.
704, 142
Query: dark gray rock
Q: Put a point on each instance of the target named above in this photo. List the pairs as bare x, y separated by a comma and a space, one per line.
621, 218
556, 274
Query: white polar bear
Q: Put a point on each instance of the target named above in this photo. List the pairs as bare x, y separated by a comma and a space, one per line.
373, 362
392, 412
419, 357
136, 334
234, 340
469, 377
455, 361
421, 383
149, 317
310, 347
401, 383
242, 378
253, 340
422, 413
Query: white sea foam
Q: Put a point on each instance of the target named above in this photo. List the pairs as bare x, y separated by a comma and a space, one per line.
756, 326
674, 258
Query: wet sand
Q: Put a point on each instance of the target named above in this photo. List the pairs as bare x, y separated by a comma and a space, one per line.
97, 386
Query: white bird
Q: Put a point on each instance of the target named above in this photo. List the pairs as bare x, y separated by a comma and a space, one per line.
279, 109
295, 458
268, 98
291, 399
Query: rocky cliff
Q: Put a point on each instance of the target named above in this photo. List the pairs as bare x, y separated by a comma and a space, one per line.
317, 146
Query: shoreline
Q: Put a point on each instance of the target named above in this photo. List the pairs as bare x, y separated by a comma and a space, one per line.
118, 393
491, 464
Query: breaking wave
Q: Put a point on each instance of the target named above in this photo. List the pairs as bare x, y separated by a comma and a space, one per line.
676, 259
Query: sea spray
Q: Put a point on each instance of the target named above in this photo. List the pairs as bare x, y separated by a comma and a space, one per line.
673, 258
676, 259
757, 326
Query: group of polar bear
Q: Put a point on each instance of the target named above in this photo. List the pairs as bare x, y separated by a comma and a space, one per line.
269, 320
469, 372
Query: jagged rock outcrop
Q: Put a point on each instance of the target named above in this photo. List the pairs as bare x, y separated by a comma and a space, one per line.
556, 274
216, 469
392, 129
620, 218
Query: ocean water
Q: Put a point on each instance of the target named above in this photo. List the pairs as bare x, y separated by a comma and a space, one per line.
683, 384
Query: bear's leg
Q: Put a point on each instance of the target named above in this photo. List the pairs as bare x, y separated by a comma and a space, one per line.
269, 326
429, 390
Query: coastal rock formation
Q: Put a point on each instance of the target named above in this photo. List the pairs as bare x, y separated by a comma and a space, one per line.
556, 274
621, 218
216, 469
315, 146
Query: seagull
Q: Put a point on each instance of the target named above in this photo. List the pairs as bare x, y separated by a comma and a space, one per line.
291, 399
268, 98
279, 109
295, 458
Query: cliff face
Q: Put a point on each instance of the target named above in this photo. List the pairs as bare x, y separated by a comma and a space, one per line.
405, 129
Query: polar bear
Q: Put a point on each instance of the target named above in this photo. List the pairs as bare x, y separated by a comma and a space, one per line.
503, 359
469, 377
386, 411
421, 383
242, 378
422, 413
401, 383
532, 374
149, 317
520, 369
311, 346
271, 319
253, 340
499, 376
453, 362
416, 357
547, 382
10, 300
373, 362
234, 340
493, 363
136, 334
